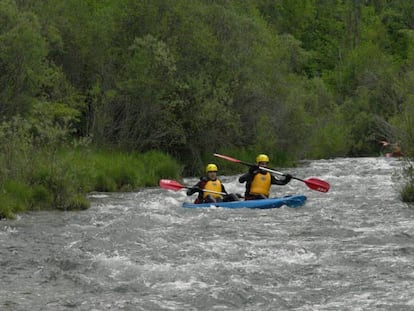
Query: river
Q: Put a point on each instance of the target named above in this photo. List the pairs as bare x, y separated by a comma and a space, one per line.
349, 249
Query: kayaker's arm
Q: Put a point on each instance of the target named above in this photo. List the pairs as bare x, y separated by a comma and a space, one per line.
197, 187
193, 190
245, 178
253, 170
281, 182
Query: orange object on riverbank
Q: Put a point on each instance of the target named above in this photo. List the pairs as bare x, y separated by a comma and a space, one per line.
393, 150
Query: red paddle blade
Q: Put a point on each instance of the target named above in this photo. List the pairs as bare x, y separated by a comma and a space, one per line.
227, 158
317, 184
171, 184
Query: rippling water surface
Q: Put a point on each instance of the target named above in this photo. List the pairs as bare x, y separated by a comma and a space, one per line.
349, 249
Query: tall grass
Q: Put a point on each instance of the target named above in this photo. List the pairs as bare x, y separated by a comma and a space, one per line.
100, 170
64, 181
407, 191
41, 169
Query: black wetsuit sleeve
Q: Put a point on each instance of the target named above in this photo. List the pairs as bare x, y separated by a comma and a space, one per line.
281, 182
192, 190
197, 187
253, 170
245, 177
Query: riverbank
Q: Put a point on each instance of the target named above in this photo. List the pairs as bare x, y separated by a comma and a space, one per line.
62, 179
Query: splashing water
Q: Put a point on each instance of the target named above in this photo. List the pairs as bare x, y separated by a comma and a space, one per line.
349, 249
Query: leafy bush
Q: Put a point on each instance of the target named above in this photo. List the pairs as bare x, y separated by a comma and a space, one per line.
407, 193
77, 202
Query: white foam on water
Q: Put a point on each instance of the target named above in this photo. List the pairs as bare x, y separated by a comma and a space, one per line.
349, 247
191, 284
98, 195
8, 229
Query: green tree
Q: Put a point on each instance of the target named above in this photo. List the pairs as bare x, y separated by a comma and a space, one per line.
22, 59
140, 112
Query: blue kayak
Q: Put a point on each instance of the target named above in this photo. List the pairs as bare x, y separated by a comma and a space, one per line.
290, 201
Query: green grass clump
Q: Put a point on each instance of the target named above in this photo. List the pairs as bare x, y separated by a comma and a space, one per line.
104, 183
41, 197
407, 193
42, 167
77, 202
100, 170
64, 180
14, 197
7, 207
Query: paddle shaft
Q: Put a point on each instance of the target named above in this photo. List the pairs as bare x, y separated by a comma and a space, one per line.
312, 183
175, 185
251, 165
210, 191
278, 173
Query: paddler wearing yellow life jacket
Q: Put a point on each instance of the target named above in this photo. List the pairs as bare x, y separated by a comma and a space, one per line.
258, 181
210, 189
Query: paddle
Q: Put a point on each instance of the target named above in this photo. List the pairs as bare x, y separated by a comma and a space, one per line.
312, 183
175, 185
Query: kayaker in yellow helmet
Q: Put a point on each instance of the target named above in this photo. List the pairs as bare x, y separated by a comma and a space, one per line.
210, 182
258, 181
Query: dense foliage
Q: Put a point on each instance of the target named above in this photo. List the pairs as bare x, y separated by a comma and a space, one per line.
311, 78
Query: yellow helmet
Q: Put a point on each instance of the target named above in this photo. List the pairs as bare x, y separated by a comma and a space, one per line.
211, 168
262, 158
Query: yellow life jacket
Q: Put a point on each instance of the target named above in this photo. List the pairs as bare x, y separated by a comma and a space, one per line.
213, 185
261, 184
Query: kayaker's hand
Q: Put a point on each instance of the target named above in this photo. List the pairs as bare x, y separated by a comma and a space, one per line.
192, 190
288, 177
254, 170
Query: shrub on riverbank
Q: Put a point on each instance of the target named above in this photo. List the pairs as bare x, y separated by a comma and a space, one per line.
407, 191
63, 179
43, 165
101, 170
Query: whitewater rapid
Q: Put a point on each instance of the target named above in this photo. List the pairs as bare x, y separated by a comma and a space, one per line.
349, 249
